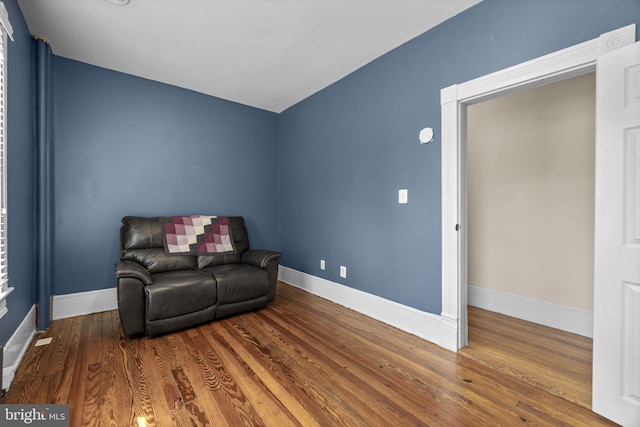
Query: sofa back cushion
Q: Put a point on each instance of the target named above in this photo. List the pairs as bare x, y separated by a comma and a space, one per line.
241, 240
141, 241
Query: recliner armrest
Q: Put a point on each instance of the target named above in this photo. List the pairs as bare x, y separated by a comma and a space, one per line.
260, 257
134, 270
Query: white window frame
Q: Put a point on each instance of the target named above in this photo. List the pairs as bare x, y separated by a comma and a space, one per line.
6, 32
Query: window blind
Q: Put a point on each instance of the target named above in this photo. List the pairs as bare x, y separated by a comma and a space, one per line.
6, 31
4, 273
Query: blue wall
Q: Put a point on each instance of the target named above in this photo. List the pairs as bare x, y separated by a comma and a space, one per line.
346, 151
130, 146
20, 175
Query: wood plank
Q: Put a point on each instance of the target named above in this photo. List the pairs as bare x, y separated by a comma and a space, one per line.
108, 392
125, 414
301, 361
143, 410
163, 388
79, 373
93, 384
180, 399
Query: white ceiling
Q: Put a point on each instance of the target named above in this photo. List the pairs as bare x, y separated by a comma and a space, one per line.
268, 54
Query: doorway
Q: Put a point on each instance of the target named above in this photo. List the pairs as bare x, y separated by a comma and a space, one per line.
570, 62
530, 221
530, 203
615, 53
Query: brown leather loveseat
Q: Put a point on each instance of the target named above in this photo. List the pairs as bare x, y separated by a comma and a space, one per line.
160, 292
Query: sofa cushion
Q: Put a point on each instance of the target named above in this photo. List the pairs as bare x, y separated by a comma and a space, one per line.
239, 282
241, 242
141, 241
179, 292
140, 233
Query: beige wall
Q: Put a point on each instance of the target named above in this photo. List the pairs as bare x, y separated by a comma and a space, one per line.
531, 193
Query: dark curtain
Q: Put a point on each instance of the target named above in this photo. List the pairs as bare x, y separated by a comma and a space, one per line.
44, 180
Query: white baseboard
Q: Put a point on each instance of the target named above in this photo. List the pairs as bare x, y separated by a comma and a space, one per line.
556, 316
17, 346
82, 303
416, 322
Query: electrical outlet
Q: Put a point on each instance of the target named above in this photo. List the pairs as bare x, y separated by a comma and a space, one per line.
322, 264
343, 271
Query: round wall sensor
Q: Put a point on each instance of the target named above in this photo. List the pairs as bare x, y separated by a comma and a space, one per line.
426, 135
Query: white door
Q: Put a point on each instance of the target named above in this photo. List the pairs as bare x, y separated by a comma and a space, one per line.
616, 339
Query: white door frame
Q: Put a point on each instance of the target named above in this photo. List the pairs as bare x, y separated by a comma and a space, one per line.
570, 62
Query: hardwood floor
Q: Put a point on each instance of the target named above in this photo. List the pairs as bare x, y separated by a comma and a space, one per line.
301, 361
556, 361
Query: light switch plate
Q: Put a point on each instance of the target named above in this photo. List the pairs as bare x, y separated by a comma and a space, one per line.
403, 196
